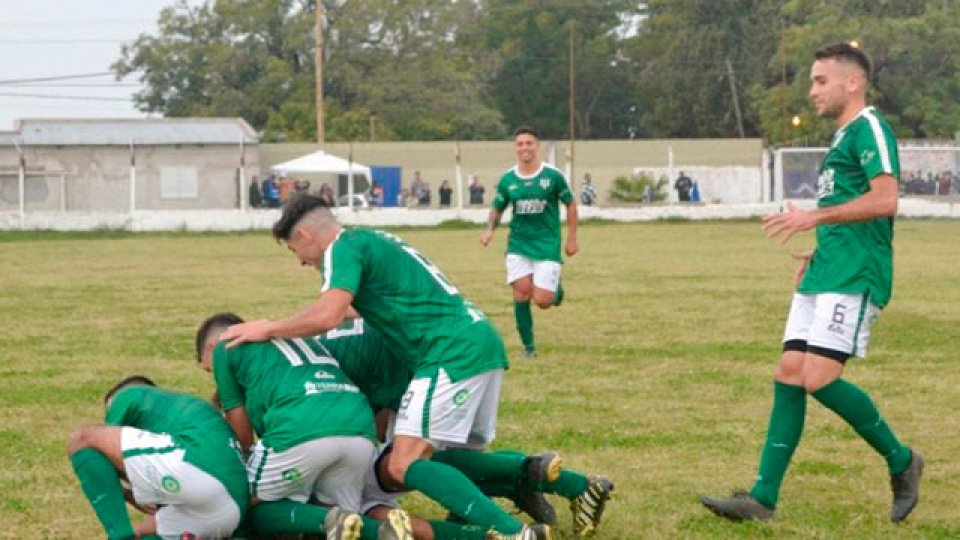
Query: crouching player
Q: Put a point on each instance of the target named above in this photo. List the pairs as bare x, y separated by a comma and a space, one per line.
177, 453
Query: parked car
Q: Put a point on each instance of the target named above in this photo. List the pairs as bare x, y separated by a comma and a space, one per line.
359, 201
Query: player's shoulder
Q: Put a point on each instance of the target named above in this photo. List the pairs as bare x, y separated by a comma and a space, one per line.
871, 122
509, 175
553, 172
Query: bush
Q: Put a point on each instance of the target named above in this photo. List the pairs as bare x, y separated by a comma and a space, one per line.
634, 188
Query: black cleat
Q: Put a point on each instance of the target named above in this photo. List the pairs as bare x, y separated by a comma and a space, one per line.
540, 468
739, 507
529, 532
588, 508
906, 489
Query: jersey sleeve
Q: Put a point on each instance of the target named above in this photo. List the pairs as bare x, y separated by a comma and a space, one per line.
231, 395
877, 150
563, 189
342, 266
117, 411
502, 197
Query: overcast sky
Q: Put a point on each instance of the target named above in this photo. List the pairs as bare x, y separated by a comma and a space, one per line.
56, 38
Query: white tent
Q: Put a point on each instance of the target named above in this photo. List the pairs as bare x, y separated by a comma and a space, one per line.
320, 162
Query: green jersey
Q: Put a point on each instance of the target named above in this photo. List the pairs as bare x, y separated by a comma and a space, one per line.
424, 319
535, 225
293, 391
368, 362
855, 258
193, 424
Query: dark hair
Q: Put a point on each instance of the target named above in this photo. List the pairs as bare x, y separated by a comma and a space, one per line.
526, 130
220, 320
846, 52
129, 381
294, 209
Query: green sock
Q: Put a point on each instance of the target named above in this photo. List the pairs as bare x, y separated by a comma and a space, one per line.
856, 407
499, 467
101, 485
454, 491
558, 296
448, 530
521, 312
783, 435
286, 516
570, 485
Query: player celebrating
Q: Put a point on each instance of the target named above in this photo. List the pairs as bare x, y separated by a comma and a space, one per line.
535, 190
843, 285
177, 453
456, 355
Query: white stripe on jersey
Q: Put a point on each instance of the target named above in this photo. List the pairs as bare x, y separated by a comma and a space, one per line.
881, 140
328, 263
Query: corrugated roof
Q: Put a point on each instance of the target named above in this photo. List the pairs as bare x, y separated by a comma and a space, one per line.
120, 131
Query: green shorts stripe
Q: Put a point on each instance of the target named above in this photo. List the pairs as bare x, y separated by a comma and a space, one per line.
259, 473
133, 452
864, 300
427, 404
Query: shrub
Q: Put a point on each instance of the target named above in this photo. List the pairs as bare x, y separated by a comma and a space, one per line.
634, 188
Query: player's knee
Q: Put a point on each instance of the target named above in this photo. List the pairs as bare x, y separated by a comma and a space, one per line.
78, 440
521, 296
543, 302
396, 471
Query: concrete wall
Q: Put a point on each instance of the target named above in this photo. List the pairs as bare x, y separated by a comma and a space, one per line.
97, 178
604, 160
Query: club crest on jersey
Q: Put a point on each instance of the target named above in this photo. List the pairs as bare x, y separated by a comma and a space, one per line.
825, 184
866, 156
544, 183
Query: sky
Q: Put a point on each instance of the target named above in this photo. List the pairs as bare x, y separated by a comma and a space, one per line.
41, 39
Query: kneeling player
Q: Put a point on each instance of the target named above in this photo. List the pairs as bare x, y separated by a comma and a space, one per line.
177, 453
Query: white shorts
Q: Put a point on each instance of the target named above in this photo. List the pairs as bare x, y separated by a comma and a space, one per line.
373, 493
192, 500
445, 413
546, 274
331, 469
830, 324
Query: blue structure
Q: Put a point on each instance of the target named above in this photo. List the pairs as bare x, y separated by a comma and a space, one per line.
389, 178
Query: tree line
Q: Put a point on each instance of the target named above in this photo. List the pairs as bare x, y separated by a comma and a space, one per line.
474, 69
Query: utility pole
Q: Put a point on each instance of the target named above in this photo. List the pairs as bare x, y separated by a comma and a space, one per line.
318, 61
572, 107
736, 98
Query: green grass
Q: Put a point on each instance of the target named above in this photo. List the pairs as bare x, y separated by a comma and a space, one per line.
656, 370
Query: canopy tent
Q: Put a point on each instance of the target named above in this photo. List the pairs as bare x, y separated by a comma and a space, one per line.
320, 162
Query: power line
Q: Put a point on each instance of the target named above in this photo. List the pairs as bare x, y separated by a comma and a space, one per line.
58, 77
63, 96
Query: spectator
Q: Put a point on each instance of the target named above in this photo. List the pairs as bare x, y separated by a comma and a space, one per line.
286, 188
254, 193
404, 199
588, 191
326, 193
419, 189
446, 193
683, 185
424, 198
301, 186
476, 191
271, 193
374, 194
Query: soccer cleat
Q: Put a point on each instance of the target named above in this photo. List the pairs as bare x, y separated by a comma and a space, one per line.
543, 467
540, 468
342, 525
588, 508
529, 532
906, 489
739, 507
397, 526
530, 352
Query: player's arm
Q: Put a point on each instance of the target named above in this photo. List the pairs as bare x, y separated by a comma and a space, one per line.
240, 424
880, 201
492, 221
573, 218
322, 315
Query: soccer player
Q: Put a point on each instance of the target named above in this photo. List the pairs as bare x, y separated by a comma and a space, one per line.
456, 356
177, 453
534, 189
843, 285
315, 427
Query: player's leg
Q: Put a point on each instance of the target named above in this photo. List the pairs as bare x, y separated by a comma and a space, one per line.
426, 419
841, 329
785, 426
546, 284
193, 503
520, 279
96, 455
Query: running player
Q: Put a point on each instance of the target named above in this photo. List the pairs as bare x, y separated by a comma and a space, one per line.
535, 190
456, 356
177, 454
843, 285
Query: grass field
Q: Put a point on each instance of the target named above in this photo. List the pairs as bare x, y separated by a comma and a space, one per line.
656, 371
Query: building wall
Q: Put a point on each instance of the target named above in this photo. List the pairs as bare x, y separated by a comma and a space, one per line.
97, 178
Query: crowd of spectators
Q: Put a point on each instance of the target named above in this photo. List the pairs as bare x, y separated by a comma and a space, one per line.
942, 183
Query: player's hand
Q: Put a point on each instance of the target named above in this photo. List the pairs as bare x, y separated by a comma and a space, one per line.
804, 258
789, 222
246, 332
486, 237
572, 247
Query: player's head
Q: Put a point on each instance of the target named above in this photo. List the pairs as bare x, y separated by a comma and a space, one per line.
526, 143
307, 227
838, 78
132, 380
208, 335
